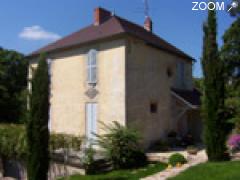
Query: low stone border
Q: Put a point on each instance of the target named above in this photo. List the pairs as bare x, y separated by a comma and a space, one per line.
193, 160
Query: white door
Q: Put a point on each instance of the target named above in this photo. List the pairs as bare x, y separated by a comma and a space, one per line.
91, 120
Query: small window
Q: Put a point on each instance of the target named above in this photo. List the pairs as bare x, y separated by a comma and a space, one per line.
92, 67
153, 107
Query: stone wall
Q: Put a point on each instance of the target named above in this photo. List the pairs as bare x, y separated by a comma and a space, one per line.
17, 170
148, 82
69, 87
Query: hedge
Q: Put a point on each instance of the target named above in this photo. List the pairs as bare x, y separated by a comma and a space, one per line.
13, 143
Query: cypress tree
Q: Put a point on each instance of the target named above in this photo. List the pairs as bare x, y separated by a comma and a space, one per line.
230, 54
213, 100
37, 125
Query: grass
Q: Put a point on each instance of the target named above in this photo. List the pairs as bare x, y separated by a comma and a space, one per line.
134, 174
212, 171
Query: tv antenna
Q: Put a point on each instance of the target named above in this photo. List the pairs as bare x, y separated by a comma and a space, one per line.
146, 8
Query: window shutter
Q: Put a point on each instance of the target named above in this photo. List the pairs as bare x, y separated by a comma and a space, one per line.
92, 67
88, 67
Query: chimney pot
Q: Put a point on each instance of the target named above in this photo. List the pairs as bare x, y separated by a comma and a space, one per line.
100, 16
148, 24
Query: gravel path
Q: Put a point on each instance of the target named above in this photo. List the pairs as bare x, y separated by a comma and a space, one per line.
201, 157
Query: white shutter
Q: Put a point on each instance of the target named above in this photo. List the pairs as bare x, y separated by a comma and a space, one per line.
89, 68
94, 119
92, 67
91, 118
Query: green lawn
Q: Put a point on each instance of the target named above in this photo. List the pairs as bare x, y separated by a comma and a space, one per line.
212, 171
123, 174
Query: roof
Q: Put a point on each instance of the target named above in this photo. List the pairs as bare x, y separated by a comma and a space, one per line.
192, 97
113, 26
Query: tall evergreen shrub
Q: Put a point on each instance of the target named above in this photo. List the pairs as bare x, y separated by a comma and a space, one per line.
37, 125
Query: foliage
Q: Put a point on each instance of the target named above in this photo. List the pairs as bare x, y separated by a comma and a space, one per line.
122, 146
13, 142
62, 141
13, 81
234, 143
132, 174
230, 54
215, 125
198, 84
211, 171
177, 158
88, 161
37, 125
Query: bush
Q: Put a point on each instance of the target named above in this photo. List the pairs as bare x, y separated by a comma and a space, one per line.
63, 141
177, 158
88, 161
233, 143
122, 148
13, 142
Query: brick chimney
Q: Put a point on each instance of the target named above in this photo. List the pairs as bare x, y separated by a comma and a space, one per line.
100, 16
148, 24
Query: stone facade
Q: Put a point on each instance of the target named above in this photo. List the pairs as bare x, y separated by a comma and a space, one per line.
69, 87
149, 82
131, 77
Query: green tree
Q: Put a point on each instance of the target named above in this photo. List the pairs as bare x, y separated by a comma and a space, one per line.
13, 81
198, 83
230, 54
37, 125
213, 99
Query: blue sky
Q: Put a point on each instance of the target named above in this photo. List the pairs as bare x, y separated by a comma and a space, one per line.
27, 25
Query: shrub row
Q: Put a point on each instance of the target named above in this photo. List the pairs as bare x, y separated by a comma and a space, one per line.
13, 143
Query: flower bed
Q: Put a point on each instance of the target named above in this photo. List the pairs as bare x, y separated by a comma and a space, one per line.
233, 143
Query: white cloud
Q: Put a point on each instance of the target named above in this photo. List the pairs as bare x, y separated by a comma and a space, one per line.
37, 33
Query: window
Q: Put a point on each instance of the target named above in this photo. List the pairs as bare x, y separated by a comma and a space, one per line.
153, 108
181, 71
92, 67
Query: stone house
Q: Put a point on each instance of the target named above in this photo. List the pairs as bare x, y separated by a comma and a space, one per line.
116, 70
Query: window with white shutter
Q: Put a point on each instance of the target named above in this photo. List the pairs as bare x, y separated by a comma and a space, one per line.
92, 67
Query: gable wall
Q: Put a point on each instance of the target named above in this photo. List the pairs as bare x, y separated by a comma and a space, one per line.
68, 87
147, 82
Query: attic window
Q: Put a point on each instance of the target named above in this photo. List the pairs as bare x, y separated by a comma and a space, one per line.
92, 67
153, 108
